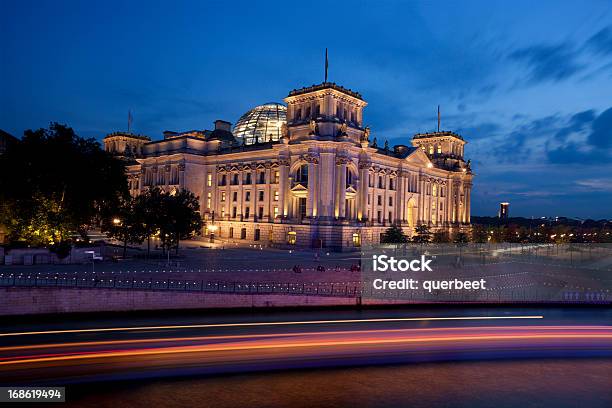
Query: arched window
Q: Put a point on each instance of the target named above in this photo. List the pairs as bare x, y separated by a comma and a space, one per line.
301, 176
349, 177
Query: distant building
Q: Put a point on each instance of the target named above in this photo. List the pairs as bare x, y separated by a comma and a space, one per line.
306, 174
6, 140
503, 210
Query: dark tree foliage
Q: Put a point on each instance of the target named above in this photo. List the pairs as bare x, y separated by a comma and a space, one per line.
179, 218
461, 238
423, 235
127, 224
441, 237
55, 183
393, 235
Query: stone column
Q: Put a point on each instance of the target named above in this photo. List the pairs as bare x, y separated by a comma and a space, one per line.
268, 193
468, 199
283, 186
362, 191
341, 186
311, 201
181, 168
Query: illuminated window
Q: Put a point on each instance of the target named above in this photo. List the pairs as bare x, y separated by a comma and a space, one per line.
276, 177
356, 239
223, 213
223, 196
431, 149
276, 196
209, 180
439, 149
275, 212
434, 190
209, 200
291, 237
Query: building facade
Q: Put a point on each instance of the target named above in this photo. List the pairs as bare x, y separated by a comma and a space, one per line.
315, 179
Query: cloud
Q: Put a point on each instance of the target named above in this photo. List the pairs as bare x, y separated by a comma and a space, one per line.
577, 123
595, 184
549, 62
601, 134
601, 42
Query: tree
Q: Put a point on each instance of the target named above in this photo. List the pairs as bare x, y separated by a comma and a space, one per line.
422, 234
479, 234
127, 224
58, 184
393, 235
441, 237
148, 204
174, 216
461, 238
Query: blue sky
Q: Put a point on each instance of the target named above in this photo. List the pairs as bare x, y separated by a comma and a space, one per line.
528, 84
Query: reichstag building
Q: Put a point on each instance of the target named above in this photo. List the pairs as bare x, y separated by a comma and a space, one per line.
307, 173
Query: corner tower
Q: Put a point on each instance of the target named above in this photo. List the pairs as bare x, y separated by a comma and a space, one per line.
325, 112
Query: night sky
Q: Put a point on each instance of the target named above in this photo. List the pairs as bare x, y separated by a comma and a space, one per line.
528, 84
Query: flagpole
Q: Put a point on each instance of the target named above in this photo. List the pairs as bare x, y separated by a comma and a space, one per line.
326, 64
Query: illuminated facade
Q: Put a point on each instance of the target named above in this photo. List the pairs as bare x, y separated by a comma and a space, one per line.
322, 182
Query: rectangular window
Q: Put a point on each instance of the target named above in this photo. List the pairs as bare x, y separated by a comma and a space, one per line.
247, 196
379, 200
223, 196
275, 212
261, 195
231, 232
380, 182
262, 177
223, 180
209, 200
257, 234
276, 196
235, 179
391, 184
223, 213
390, 216
243, 233
234, 212
302, 207
390, 201
379, 218
260, 212
247, 212
209, 180
247, 178
276, 177
235, 196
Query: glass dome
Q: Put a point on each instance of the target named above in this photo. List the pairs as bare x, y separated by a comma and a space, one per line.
261, 124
